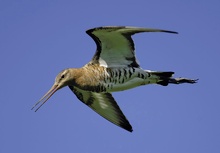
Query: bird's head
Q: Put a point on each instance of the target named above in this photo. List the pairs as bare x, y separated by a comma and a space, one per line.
63, 79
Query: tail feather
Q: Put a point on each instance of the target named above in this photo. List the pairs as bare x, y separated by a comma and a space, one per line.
164, 77
182, 80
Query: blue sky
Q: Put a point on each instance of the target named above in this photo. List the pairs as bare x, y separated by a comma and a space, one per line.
40, 38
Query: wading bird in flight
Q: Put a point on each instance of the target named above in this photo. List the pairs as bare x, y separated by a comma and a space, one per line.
113, 68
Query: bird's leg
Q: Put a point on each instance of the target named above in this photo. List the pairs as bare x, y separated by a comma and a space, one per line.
182, 80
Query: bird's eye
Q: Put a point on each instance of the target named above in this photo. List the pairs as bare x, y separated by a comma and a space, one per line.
62, 76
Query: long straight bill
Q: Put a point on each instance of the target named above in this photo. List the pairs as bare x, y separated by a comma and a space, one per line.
44, 99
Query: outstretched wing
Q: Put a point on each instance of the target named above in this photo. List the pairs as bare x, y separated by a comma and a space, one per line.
115, 47
105, 105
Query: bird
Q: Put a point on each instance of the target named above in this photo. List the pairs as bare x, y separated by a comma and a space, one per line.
113, 68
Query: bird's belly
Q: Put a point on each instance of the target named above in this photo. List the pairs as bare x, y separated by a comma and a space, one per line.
135, 82
125, 78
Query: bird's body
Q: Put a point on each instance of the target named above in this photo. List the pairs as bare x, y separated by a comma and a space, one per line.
101, 79
113, 68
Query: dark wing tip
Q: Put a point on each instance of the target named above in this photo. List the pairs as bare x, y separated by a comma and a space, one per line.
174, 32
127, 127
124, 123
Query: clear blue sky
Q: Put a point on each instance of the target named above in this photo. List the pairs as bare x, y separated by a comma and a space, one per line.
40, 38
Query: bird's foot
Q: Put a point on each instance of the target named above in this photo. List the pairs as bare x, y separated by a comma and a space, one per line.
182, 80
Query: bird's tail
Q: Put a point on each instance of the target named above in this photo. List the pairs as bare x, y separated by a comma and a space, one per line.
164, 78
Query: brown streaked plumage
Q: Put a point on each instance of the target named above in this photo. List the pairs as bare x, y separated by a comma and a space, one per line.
113, 68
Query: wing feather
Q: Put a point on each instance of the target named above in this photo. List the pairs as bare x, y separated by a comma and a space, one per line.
115, 47
103, 104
